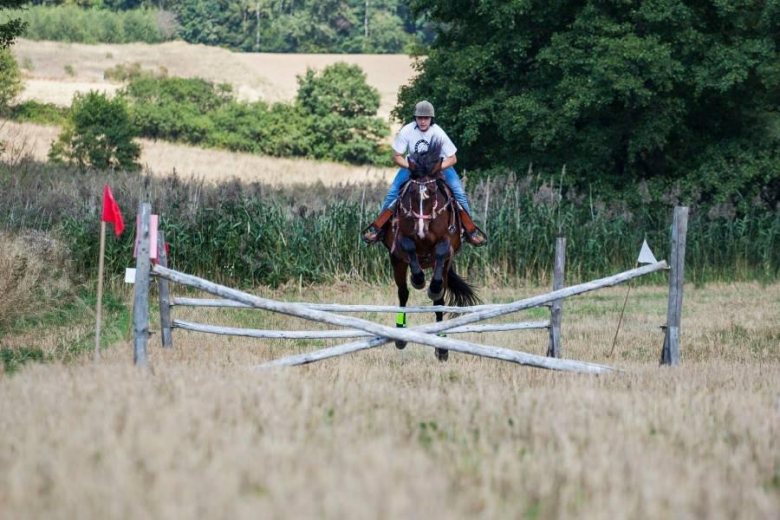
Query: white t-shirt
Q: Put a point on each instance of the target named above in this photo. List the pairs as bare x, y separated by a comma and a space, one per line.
410, 139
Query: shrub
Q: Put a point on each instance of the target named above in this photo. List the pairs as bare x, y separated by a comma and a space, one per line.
332, 120
123, 72
98, 134
40, 113
10, 78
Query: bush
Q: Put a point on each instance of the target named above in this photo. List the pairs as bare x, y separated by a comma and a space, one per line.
98, 134
40, 113
123, 72
333, 119
10, 79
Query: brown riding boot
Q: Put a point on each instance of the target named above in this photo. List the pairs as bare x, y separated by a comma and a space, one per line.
474, 235
373, 232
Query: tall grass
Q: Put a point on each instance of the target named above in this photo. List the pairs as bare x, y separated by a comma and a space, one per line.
248, 234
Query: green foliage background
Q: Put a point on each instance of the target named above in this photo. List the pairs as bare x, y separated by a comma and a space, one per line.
70, 23
333, 117
310, 26
670, 92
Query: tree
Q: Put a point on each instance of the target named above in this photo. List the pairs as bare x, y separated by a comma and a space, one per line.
341, 114
12, 28
339, 89
616, 91
99, 134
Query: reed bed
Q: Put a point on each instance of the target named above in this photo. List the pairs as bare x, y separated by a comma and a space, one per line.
248, 233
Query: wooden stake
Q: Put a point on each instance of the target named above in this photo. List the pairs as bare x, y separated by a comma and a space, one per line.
670, 355
141, 304
164, 293
554, 347
98, 310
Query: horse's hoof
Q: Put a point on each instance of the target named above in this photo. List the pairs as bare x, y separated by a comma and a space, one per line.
435, 296
400, 345
418, 283
442, 354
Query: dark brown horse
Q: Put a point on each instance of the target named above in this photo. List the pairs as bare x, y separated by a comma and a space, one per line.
425, 234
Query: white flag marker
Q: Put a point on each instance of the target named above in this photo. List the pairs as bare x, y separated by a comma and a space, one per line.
646, 256
129, 275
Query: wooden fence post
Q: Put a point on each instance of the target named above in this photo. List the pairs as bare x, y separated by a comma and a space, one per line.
670, 355
141, 305
554, 347
165, 295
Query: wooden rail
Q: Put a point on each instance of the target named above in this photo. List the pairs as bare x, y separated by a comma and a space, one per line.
336, 334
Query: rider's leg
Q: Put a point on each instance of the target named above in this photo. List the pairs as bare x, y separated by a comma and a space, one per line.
395, 188
472, 233
453, 181
372, 234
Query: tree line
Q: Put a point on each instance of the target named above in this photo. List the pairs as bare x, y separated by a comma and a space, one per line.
304, 26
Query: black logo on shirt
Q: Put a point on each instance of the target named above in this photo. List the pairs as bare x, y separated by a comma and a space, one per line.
421, 146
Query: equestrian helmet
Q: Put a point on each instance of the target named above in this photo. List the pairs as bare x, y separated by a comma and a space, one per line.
424, 109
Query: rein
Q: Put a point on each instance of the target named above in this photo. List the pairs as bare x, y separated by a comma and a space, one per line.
421, 216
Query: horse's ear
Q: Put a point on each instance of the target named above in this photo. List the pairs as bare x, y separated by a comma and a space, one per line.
436, 169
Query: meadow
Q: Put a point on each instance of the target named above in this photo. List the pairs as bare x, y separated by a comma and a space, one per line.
383, 433
389, 433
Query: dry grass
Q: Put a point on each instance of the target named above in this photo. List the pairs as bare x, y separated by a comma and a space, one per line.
254, 76
393, 434
32, 275
211, 165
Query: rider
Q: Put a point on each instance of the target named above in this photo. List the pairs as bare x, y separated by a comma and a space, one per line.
417, 137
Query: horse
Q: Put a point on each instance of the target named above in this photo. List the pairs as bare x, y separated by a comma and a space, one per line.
425, 234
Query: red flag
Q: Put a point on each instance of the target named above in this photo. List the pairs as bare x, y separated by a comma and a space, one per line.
111, 211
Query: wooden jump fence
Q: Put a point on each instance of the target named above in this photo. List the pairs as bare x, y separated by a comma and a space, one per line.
374, 334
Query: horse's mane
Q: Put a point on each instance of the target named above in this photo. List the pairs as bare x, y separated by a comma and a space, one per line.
426, 161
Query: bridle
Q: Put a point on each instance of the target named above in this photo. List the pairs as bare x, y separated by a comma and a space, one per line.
423, 220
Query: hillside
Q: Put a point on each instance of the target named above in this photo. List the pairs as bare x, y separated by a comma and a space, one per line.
55, 71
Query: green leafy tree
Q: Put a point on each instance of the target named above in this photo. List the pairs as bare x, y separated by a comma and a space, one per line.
99, 134
10, 29
342, 107
339, 89
663, 90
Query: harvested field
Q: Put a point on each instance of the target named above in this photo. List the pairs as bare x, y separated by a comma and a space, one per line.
163, 158
254, 76
391, 434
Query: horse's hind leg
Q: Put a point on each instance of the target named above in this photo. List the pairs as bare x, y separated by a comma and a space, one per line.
399, 273
418, 276
441, 353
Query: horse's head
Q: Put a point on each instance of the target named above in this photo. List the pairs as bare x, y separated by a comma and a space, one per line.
426, 163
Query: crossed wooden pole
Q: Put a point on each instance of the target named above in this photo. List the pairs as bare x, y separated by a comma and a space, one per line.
381, 334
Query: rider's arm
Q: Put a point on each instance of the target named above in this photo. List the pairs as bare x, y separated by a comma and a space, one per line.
449, 161
400, 160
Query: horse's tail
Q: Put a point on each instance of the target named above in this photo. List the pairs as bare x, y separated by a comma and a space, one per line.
460, 293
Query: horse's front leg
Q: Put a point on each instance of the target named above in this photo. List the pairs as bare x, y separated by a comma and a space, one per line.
441, 354
399, 273
436, 289
418, 276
